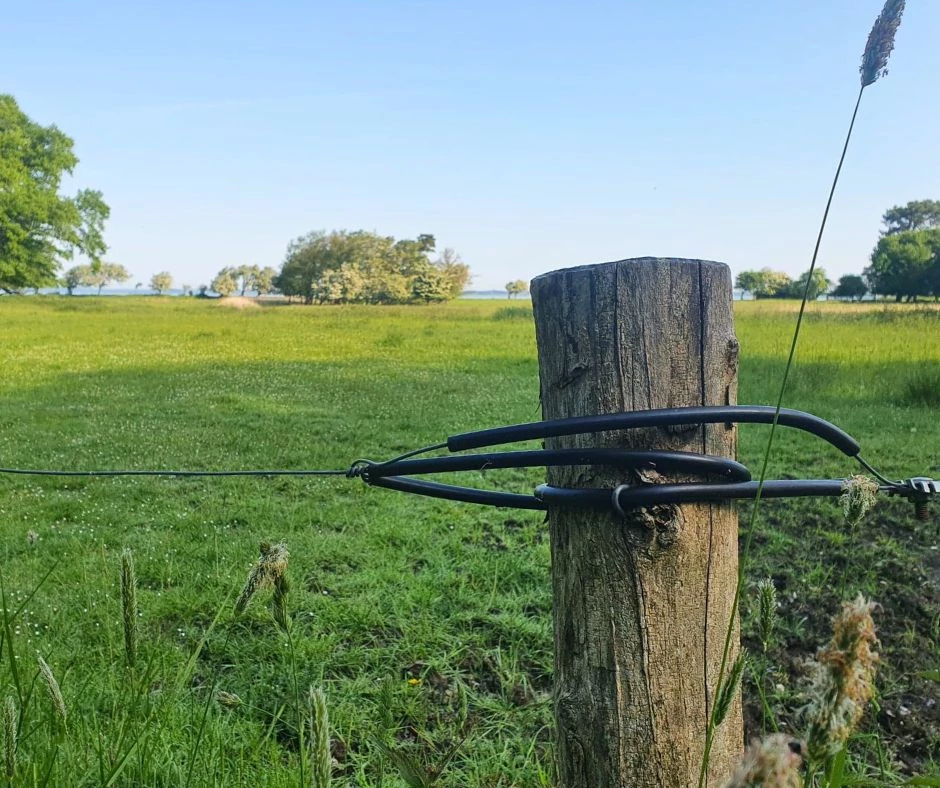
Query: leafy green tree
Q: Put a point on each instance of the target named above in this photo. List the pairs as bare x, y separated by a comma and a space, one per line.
765, 283
76, 276
933, 273
430, 286
915, 215
455, 271
308, 259
105, 274
264, 283
248, 277
819, 285
225, 282
94, 276
515, 287
343, 266
161, 282
851, 286
903, 263
39, 227
749, 281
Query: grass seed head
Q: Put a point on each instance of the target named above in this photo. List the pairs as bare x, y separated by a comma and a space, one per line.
55, 694
842, 681
129, 608
728, 690
767, 601
279, 602
228, 700
266, 572
881, 42
321, 763
859, 495
773, 762
9, 736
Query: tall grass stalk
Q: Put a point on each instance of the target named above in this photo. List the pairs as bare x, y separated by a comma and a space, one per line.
10, 720
55, 693
129, 610
320, 758
874, 65
270, 571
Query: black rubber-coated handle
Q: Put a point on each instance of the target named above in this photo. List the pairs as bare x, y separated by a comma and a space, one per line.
664, 461
742, 414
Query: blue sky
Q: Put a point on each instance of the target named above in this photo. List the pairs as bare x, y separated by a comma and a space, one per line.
527, 136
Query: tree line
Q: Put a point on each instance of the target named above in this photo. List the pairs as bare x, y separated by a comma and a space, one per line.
905, 263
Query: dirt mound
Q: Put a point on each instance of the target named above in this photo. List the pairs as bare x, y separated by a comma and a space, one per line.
239, 302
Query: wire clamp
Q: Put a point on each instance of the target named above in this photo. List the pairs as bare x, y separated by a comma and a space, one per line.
920, 489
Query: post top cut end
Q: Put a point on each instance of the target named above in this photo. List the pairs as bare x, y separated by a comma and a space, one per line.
648, 262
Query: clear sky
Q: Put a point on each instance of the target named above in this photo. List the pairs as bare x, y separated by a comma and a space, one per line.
528, 136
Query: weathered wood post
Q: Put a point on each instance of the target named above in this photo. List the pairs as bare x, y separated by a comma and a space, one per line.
641, 604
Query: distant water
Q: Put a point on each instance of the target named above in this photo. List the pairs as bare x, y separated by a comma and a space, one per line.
493, 294
108, 291
140, 291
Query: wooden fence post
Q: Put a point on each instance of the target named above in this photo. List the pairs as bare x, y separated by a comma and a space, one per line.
641, 604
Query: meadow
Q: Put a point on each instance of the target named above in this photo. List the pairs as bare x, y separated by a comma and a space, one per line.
427, 624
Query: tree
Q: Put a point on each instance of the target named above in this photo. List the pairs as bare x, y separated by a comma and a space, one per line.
903, 264
749, 281
429, 286
76, 276
40, 228
515, 287
94, 276
341, 266
225, 282
248, 276
916, 215
264, 282
455, 271
161, 282
765, 283
851, 286
106, 273
819, 284
933, 274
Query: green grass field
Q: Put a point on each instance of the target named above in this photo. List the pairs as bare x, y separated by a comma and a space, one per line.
427, 624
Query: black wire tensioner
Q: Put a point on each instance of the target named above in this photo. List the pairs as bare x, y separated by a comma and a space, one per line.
721, 478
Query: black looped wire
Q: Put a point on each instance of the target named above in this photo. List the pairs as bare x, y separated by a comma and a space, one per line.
720, 478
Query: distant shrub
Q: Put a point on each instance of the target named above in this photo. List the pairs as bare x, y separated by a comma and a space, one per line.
513, 313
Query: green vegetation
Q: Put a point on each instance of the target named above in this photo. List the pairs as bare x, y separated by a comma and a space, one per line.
362, 267
425, 624
767, 283
161, 282
241, 279
905, 263
39, 228
99, 276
